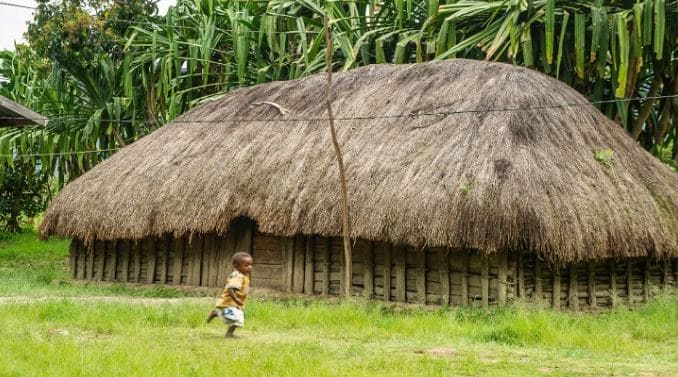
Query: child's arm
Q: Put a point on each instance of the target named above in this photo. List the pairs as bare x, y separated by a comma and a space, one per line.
231, 293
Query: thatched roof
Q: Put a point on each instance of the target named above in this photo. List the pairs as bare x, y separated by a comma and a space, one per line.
492, 180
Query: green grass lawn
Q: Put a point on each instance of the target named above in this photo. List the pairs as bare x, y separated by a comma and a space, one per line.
49, 329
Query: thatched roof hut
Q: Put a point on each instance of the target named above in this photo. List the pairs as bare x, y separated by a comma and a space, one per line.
460, 154
468, 182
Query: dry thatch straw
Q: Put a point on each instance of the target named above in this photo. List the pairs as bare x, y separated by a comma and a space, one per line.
500, 180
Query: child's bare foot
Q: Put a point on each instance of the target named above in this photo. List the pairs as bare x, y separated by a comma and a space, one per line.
211, 315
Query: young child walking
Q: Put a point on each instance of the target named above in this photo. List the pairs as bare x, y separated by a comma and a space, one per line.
232, 302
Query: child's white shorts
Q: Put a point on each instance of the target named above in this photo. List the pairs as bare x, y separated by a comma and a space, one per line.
232, 316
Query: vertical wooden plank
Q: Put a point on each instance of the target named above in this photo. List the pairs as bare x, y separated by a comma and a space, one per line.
421, 276
612, 268
137, 260
222, 266
665, 274
212, 259
465, 262
573, 295
646, 280
310, 264
485, 280
556, 287
195, 266
327, 265
342, 269
288, 250
629, 281
299, 253
107, 264
165, 263
73, 258
592, 285
114, 260
368, 272
150, 249
220, 260
203, 261
124, 255
215, 260
178, 252
538, 282
82, 260
192, 259
502, 277
401, 273
89, 272
206, 260
202, 255
521, 276
444, 268
100, 250
388, 257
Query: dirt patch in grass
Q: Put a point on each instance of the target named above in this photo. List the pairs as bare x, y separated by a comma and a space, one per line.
119, 299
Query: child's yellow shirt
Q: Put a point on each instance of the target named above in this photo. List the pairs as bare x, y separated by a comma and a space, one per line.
241, 284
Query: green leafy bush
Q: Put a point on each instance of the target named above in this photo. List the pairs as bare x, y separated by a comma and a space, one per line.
24, 192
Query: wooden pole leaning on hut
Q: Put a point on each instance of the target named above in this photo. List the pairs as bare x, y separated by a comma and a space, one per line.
348, 260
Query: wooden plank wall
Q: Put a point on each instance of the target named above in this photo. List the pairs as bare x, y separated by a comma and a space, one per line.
313, 265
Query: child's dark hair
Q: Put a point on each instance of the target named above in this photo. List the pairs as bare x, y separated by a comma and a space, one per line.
239, 256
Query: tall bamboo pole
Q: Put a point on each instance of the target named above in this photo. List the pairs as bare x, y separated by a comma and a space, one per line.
348, 260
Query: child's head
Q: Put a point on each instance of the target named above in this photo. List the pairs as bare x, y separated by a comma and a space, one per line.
242, 262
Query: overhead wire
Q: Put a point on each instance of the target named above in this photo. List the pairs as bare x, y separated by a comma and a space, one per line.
14, 5
324, 119
411, 115
373, 117
59, 153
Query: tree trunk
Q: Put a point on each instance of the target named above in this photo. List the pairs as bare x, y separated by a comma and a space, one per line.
646, 109
348, 260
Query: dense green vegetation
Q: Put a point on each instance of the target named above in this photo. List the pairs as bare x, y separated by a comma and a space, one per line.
74, 330
108, 72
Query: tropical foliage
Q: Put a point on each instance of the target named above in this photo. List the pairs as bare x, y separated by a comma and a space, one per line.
24, 192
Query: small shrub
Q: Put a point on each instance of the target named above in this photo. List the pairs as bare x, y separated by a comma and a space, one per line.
24, 192
504, 335
605, 156
5, 235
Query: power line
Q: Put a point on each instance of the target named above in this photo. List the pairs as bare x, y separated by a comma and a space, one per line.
17, 5
371, 117
324, 119
58, 154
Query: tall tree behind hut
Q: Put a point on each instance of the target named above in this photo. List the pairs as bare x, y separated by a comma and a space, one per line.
72, 71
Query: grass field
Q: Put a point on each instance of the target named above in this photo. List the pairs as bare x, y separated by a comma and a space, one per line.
63, 329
